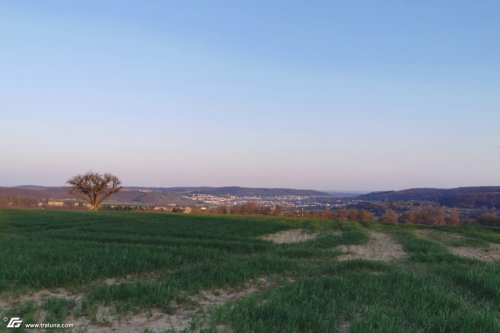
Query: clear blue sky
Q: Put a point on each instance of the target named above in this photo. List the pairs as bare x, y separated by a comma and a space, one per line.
347, 95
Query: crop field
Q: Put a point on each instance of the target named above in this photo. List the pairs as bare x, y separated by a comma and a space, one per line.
152, 272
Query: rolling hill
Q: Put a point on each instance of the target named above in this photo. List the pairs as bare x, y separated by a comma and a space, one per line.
462, 197
234, 190
156, 195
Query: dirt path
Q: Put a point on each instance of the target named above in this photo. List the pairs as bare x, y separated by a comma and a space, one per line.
379, 247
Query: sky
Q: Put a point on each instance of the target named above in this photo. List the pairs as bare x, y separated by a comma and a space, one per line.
331, 95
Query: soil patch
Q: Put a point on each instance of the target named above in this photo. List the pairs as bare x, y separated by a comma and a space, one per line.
182, 316
37, 297
379, 247
155, 320
154, 275
345, 328
290, 236
490, 255
437, 235
8, 299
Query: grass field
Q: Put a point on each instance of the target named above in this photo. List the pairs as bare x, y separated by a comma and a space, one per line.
206, 273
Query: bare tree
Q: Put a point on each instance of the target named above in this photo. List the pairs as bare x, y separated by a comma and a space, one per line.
364, 215
390, 216
341, 214
94, 187
409, 217
454, 216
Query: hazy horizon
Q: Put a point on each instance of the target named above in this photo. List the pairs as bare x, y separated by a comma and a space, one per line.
171, 186
346, 191
362, 96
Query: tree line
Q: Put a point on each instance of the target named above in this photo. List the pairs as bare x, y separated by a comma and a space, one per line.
429, 215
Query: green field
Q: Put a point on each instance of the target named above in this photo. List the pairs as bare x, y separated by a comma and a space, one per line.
148, 264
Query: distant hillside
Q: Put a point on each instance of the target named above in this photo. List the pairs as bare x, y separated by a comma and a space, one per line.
151, 198
155, 195
127, 196
263, 192
235, 190
462, 197
35, 192
343, 195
